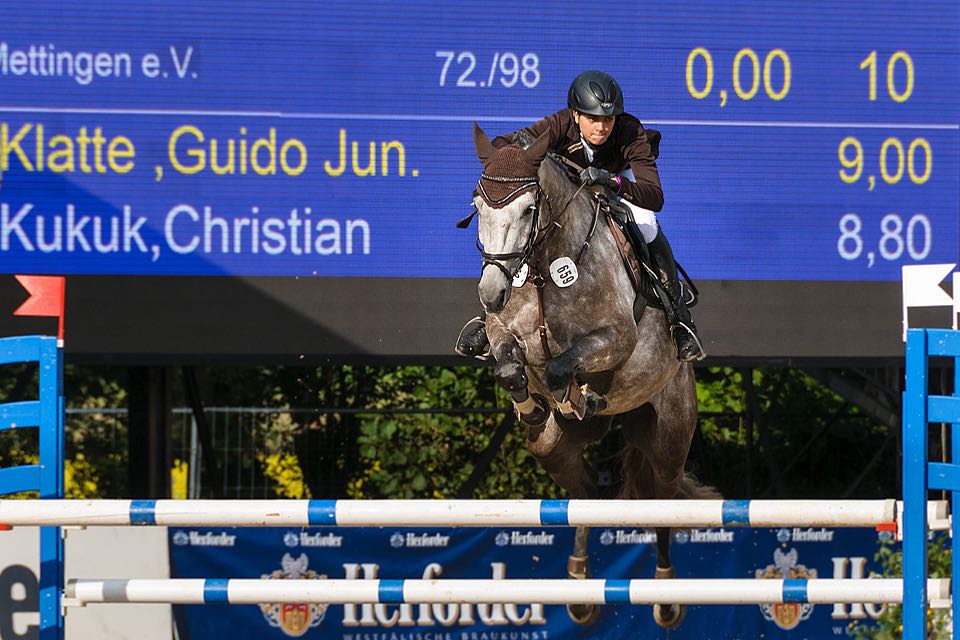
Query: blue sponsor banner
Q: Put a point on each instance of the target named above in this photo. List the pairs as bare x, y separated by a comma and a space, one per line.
618, 554
297, 138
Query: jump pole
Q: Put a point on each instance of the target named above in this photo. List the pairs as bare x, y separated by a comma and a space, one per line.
459, 513
563, 591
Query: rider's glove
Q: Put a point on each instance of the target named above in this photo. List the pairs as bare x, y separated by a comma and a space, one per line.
596, 175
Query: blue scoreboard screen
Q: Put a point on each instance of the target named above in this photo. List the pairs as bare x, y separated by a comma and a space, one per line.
810, 150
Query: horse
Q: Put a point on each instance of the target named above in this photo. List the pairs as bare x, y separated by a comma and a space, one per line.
567, 346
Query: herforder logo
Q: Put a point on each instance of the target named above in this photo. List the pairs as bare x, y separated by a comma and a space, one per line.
207, 539
294, 620
633, 536
524, 539
809, 534
785, 567
415, 540
304, 539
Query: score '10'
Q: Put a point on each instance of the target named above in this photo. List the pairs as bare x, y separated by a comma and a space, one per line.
892, 243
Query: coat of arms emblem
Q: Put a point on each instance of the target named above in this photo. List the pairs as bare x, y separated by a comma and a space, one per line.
294, 619
786, 615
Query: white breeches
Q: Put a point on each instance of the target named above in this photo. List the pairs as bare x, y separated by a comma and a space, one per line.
645, 219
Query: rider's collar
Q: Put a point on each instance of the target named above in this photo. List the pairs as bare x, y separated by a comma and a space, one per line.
587, 149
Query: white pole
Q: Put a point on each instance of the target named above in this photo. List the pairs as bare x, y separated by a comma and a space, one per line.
593, 591
455, 513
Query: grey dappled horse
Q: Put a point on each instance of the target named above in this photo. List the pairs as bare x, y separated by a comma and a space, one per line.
592, 360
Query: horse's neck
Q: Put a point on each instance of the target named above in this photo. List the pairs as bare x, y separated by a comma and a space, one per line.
575, 220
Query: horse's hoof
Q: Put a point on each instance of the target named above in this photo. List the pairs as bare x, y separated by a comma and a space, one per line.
538, 413
669, 616
665, 573
574, 401
583, 613
558, 375
535, 419
578, 568
595, 404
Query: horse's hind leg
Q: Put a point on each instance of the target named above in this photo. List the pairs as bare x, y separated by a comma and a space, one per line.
658, 437
666, 615
558, 447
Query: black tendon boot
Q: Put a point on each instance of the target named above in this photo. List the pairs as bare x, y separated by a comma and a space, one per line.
681, 324
472, 341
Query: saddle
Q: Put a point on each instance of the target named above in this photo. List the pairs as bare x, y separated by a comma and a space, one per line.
639, 268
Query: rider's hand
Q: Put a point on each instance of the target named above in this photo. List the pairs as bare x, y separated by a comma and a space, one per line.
596, 175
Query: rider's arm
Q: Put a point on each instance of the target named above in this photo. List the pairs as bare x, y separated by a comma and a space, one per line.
640, 150
552, 125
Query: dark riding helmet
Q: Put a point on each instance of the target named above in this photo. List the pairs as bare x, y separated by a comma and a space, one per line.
595, 93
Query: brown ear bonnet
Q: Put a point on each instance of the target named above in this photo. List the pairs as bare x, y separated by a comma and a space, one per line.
506, 175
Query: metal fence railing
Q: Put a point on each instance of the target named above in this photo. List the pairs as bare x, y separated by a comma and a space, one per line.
238, 435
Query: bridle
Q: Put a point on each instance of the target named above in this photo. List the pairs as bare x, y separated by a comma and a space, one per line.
521, 257
537, 234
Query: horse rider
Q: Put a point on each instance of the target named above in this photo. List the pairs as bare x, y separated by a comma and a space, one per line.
594, 132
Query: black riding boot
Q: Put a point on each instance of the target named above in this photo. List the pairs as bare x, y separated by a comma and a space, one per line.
681, 324
472, 341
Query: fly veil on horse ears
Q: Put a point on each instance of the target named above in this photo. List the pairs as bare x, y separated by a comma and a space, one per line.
508, 171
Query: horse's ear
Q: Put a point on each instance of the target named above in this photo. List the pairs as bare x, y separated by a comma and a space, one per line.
484, 147
538, 149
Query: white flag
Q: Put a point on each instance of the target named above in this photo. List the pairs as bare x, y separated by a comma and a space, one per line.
956, 297
921, 288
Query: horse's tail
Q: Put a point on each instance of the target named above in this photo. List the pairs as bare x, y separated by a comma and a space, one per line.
639, 479
693, 489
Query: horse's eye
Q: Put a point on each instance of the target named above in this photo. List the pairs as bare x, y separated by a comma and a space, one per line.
529, 210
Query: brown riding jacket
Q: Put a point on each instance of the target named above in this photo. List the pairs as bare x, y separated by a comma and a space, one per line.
629, 145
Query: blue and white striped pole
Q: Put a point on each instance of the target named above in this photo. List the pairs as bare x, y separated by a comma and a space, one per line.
563, 591
457, 513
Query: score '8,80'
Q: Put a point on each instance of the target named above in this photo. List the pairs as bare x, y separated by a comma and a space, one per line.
506, 67
892, 243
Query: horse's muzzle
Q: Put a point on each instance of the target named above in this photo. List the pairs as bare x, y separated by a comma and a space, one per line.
494, 290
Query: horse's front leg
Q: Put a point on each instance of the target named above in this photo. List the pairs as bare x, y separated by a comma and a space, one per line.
510, 373
603, 349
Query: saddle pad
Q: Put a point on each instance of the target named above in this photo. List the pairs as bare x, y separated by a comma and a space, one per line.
645, 294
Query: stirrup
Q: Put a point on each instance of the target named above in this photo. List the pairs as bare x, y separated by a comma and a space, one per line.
467, 347
693, 334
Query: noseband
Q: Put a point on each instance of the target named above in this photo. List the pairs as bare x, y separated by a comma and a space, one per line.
534, 237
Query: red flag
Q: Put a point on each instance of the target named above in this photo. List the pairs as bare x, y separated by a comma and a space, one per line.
46, 297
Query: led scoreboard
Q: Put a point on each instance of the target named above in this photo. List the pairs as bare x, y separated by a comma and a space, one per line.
270, 180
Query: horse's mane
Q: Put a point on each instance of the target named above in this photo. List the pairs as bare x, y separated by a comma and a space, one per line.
524, 140
566, 177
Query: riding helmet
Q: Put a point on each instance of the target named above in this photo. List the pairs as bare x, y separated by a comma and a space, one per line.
595, 93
